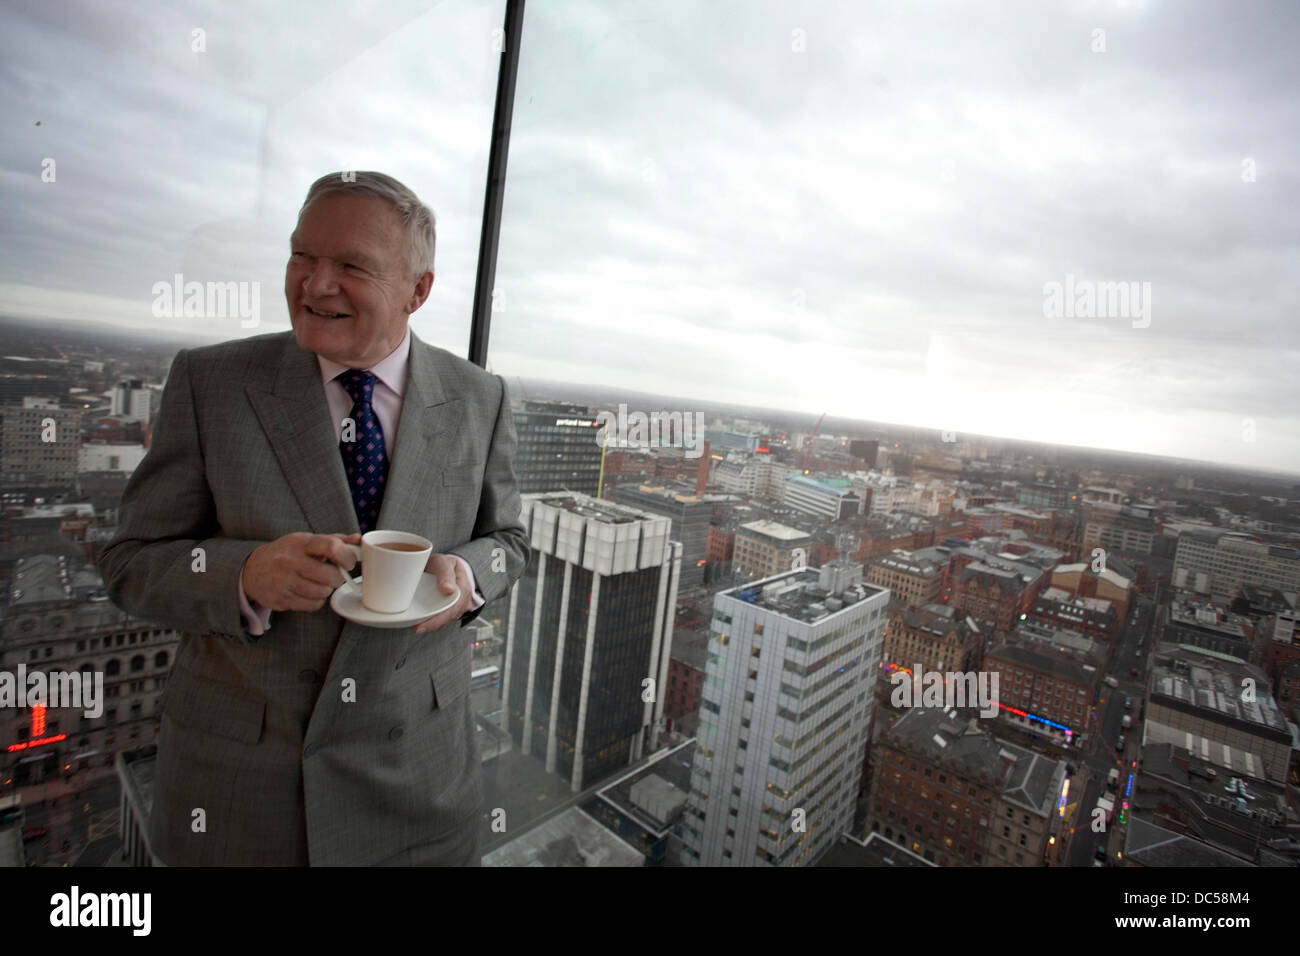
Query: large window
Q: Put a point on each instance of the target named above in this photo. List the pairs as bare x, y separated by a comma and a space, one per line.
968, 265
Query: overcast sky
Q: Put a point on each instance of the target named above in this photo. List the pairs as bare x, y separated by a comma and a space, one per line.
842, 207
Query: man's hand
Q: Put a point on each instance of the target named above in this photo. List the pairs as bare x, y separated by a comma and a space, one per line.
297, 572
450, 576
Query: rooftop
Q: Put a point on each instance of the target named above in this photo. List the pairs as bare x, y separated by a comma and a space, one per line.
571, 838
1206, 680
771, 529
800, 595
651, 798
1152, 845
1026, 779
597, 509
899, 561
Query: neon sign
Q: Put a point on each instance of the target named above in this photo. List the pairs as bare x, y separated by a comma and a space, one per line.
29, 744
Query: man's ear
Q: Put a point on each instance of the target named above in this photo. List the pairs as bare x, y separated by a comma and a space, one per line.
420, 292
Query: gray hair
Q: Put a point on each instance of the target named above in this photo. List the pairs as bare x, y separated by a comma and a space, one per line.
415, 215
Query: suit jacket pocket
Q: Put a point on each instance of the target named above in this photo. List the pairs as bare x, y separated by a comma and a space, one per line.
450, 679
467, 473
215, 708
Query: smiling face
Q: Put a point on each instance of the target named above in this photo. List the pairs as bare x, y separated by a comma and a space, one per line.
348, 259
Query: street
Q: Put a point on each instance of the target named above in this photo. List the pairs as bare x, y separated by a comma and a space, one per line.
1101, 755
72, 823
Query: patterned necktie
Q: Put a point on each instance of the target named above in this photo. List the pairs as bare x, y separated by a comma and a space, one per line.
364, 458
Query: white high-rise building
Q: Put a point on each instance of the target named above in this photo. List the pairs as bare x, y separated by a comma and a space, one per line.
132, 399
787, 699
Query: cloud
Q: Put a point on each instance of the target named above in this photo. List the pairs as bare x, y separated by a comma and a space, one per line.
823, 206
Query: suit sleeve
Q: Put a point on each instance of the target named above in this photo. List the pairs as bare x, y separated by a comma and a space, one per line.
167, 563
499, 550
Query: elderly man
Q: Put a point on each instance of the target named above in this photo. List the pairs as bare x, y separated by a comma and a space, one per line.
291, 736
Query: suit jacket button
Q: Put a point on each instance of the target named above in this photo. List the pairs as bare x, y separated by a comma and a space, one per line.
307, 677
310, 749
400, 663
395, 733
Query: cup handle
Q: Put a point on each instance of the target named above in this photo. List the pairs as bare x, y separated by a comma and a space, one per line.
347, 578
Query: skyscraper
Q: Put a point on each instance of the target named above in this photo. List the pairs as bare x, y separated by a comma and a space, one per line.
589, 634
558, 448
783, 721
690, 515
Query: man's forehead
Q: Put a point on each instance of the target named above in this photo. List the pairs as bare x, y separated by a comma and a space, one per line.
356, 229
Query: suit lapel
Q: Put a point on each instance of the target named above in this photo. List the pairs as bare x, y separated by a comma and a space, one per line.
426, 431
295, 416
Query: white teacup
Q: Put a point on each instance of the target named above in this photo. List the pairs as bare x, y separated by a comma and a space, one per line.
394, 561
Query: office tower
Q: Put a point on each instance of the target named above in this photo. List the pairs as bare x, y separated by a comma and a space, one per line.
1218, 563
830, 498
590, 620
131, 399
690, 516
784, 716
40, 444
557, 448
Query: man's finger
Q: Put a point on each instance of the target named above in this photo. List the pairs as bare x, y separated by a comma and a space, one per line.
309, 590
336, 552
317, 571
331, 547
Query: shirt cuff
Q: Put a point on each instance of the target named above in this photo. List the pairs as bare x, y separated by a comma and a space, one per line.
475, 599
257, 619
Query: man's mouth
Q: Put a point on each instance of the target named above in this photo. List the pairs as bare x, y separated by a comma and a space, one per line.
326, 315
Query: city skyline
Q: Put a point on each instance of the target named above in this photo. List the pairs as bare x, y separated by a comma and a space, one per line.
557, 391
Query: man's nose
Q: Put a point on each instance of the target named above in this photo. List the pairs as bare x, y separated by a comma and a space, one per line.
322, 278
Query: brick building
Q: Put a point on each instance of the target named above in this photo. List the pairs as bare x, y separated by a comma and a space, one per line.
959, 796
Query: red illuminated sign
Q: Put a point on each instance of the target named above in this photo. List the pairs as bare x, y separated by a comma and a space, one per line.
28, 745
38, 719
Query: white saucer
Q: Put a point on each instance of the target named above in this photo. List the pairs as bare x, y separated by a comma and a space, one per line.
428, 601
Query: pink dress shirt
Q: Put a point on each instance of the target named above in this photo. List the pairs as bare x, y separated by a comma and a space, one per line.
386, 400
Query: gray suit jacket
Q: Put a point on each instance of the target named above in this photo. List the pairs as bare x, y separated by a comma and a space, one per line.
255, 730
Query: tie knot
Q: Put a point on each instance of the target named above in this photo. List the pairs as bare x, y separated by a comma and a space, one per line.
358, 383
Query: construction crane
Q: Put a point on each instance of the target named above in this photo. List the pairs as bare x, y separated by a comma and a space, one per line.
808, 442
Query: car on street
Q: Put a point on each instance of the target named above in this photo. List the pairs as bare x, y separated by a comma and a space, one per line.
1133, 672
34, 833
1119, 744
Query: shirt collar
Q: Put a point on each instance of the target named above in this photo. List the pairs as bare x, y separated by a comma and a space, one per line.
391, 370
